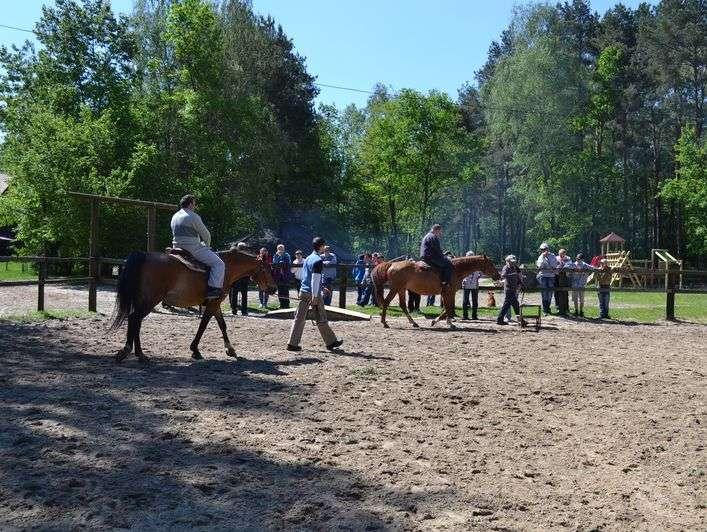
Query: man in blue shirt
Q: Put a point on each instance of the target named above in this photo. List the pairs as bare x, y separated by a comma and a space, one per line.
310, 295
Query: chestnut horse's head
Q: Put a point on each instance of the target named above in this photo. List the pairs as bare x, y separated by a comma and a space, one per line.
487, 268
263, 277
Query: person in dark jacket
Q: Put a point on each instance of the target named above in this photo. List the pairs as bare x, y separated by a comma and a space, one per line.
431, 253
240, 287
282, 274
512, 282
359, 275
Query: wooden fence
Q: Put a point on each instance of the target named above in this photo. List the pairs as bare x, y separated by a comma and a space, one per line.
342, 283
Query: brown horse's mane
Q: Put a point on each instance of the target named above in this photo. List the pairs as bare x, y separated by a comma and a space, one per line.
237, 252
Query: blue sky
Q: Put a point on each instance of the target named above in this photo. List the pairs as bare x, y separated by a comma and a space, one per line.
403, 43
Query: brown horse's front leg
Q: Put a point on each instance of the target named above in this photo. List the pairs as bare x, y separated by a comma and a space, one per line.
404, 307
205, 318
386, 301
450, 304
226, 342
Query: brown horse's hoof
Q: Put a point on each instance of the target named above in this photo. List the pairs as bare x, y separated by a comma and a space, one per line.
231, 352
415, 324
196, 355
386, 326
121, 355
143, 359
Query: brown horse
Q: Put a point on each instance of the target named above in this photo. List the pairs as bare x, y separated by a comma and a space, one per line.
422, 279
149, 278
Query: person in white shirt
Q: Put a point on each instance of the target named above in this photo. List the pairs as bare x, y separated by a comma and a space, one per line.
547, 264
190, 234
470, 285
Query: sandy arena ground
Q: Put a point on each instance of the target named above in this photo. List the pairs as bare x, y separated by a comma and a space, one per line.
580, 426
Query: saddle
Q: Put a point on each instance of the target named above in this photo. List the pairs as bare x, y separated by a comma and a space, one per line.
422, 266
187, 259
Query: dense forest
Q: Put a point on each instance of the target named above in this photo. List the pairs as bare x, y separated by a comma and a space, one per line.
577, 125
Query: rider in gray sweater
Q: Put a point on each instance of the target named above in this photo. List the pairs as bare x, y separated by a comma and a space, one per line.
190, 234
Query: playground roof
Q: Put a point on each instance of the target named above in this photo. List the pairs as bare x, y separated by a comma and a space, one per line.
612, 237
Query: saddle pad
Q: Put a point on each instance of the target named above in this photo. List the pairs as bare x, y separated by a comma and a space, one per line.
187, 259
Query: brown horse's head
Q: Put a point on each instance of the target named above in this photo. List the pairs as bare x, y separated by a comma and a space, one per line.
487, 268
263, 277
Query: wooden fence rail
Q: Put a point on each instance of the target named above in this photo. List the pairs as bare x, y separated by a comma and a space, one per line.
344, 270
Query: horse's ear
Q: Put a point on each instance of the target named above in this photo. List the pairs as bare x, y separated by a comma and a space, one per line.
485, 256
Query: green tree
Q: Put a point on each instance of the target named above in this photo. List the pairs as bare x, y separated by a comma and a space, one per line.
689, 188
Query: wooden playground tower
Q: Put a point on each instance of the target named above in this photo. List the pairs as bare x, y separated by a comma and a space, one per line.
613, 249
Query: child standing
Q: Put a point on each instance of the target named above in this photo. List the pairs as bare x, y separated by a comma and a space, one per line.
579, 281
470, 285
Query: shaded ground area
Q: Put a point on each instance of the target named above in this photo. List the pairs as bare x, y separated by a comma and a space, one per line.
578, 426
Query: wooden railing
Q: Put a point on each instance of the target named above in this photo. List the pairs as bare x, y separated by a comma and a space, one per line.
341, 283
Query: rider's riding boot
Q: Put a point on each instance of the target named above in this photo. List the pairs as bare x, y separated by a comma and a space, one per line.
213, 293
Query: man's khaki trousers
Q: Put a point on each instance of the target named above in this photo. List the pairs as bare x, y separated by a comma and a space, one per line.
305, 300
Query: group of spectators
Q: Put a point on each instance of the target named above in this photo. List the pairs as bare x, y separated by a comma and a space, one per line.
559, 274
362, 276
286, 271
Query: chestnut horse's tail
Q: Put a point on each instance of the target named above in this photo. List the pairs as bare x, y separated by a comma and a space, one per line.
127, 288
379, 276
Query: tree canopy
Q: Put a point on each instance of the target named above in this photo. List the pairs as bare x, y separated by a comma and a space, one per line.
577, 125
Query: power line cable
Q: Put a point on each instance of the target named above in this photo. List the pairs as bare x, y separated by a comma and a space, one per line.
15, 28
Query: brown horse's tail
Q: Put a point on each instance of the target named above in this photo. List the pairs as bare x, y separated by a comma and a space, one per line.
127, 288
379, 276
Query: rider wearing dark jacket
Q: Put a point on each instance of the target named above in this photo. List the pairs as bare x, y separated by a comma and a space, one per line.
431, 253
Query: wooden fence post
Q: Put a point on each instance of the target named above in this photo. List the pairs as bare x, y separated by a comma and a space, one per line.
40, 285
92, 253
670, 292
342, 288
151, 228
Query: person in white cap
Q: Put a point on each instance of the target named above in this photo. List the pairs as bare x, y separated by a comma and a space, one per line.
470, 285
512, 282
547, 264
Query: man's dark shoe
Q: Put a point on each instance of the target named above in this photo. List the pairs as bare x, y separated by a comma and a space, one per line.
294, 347
501, 323
581, 313
213, 293
474, 317
466, 316
335, 345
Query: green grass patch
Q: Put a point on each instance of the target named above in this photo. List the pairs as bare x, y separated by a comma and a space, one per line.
36, 315
642, 307
17, 271
368, 372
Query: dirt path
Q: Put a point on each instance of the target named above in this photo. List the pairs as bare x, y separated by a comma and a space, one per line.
579, 426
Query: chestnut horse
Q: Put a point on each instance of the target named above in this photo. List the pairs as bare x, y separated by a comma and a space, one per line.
149, 278
424, 280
